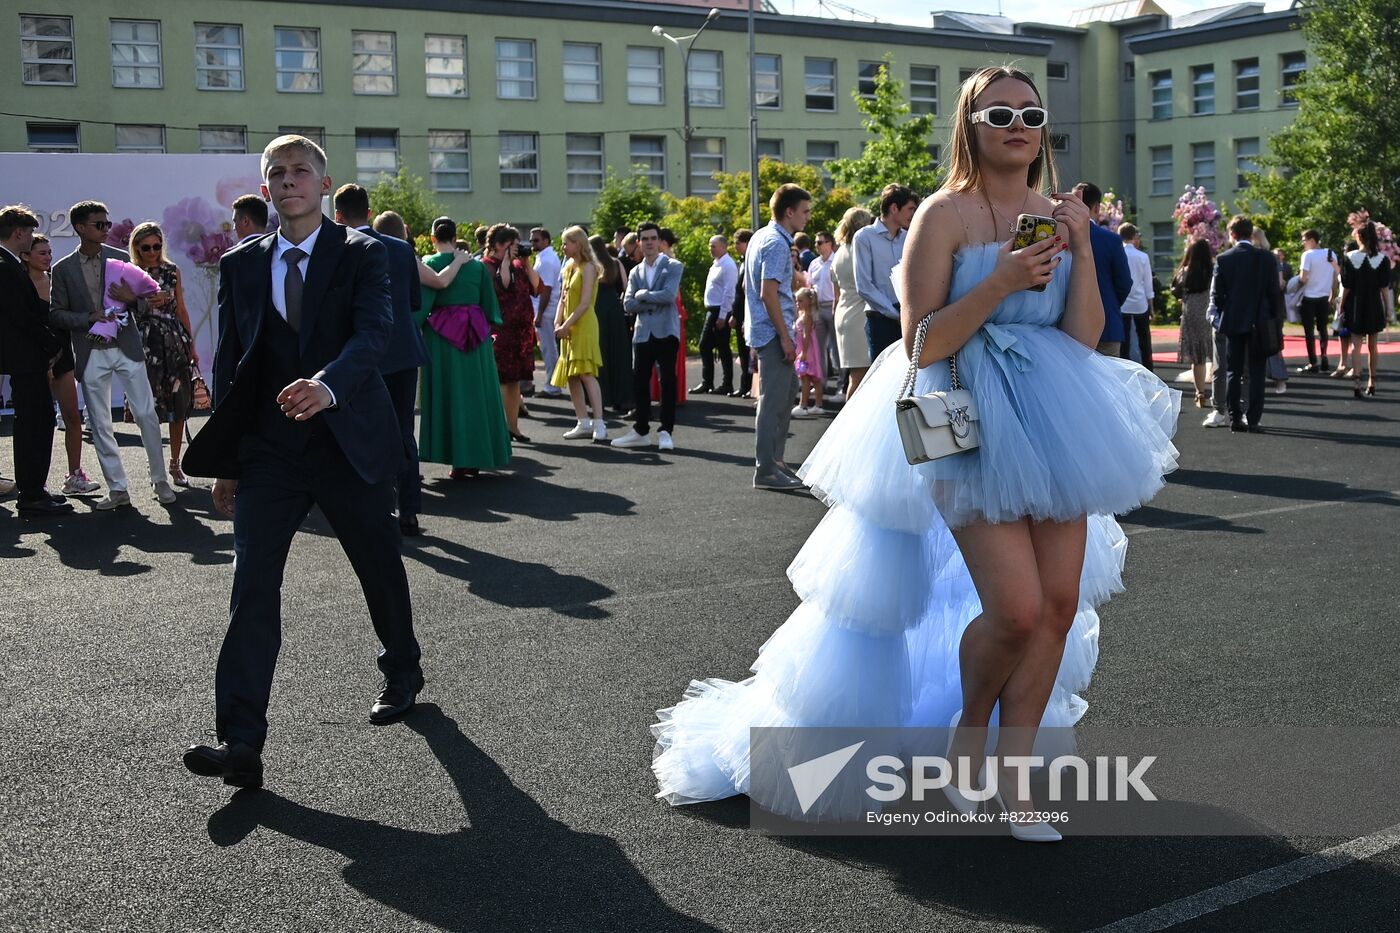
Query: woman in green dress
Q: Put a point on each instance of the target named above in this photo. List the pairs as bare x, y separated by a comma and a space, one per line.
463, 423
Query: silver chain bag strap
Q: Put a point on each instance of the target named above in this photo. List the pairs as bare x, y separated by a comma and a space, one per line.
938, 424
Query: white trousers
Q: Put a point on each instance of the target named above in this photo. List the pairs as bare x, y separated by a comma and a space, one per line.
549, 349
103, 365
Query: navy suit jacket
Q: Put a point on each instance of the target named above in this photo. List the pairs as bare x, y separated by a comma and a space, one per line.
406, 348
347, 315
1115, 279
1245, 289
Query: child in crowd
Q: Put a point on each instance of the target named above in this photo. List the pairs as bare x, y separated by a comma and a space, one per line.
809, 355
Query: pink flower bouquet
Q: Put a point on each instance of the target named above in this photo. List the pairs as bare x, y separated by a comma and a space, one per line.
114, 316
1389, 248
1198, 218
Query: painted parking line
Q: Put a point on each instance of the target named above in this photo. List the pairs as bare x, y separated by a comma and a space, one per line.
1259, 883
1212, 519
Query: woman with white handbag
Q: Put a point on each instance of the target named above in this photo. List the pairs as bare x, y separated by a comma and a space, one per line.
970, 535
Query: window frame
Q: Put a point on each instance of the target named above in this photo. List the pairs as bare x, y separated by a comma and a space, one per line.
915, 99
356, 72
717, 71
117, 145
317, 134
660, 68
861, 80
1156, 84
158, 66
1167, 181
657, 176
279, 71
704, 183
30, 128
774, 142
534, 79
1062, 139
570, 151
1200, 98
503, 171
807, 80
1287, 88
1257, 77
430, 76
1049, 71
242, 129
465, 150
597, 65
775, 73
1241, 158
1130, 71
1197, 179
25, 62
1164, 246
376, 132
200, 69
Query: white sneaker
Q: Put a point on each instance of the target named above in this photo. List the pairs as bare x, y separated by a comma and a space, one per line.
837, 398
78, 484
1215, 420
600, 430
163, 493
799, 412
116, 498
664, 442
815, 411
633, 439
1281, 387
582, 429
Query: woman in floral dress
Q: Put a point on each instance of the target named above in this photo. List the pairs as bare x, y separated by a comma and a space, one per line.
166, 335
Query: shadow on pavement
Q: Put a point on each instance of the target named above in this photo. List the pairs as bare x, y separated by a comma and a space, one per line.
513, 869
1296, 488
507, 582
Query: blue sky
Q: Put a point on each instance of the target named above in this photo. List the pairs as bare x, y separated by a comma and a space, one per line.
916, 12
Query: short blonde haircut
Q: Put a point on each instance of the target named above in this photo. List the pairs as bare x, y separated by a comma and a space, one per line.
292, 142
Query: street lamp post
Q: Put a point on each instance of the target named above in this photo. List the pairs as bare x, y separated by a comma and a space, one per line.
687, 131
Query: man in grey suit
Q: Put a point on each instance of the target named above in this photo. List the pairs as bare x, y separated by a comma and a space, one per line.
651, 295
79, 298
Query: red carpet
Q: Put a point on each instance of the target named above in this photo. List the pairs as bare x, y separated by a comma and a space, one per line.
1294, 347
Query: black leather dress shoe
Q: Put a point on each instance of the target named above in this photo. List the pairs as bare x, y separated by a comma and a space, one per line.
725, 390
239, 765
396, 699
44, 506
703, 388
410, 528
1256, 429
1238, 427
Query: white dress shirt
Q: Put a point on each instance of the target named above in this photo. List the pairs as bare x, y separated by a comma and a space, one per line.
649, 269
721, 283
1141, 267
819, 275
279, 268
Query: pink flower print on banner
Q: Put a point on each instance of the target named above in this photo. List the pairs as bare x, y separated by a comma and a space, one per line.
119, 235
229, 190
199, 229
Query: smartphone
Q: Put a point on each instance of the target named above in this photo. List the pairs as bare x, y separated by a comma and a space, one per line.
1032, 228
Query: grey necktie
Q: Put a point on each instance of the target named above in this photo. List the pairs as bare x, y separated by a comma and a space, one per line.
291, 295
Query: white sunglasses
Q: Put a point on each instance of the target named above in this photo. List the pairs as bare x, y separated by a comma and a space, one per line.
1032, 118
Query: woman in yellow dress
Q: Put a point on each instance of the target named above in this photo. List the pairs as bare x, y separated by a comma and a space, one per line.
576, 327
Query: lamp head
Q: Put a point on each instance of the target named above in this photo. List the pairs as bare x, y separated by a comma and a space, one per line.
714, 14
656, 30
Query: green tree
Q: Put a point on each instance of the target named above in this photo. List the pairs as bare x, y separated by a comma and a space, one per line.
897, 149
625, 201
1342, 152
732, 201
408, 196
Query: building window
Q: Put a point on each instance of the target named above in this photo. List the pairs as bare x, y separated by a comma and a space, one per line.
935, 156
707, 79
317, 134
135, 53
374, 67
1129, 71
449, 160
135, 137
1161, 82
647, 155
520, 162
965, 73
218, 57
1059, 142
298, 54
768, 81
1130, 143
1246, 156
645, 76
770, 149
1203, 166
376, 154
223, 139
1247, 84
1203, 89
923, 89
515, 69
583, 72
46, 49
1292, 67
706, 158
1163, 246
820, 152
583, 156
866, 75
445, 60
53, 137
1162, 183
820, 79
1057, 71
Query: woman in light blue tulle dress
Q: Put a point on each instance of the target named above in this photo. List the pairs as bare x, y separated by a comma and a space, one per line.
961, 590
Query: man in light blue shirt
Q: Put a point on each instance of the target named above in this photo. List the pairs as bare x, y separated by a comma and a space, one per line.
876, 250
768, 329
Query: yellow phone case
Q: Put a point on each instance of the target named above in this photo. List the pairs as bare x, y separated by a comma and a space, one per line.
1032, 228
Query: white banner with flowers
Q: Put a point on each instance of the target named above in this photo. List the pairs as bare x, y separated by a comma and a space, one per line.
190, 196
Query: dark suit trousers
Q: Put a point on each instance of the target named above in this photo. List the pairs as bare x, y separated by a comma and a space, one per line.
661, 353
403, 390
715, 338
745, 365
1139, 326
1241, 362
274, 495
880, 332
33, 432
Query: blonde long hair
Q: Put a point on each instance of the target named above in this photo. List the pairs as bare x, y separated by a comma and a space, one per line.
851, 221
143, 230
579, 237
964, 171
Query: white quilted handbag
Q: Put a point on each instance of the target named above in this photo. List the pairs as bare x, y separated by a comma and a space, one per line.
938, 424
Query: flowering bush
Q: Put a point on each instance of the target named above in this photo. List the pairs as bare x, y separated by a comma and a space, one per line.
1111, 211
1198, 218
1389, 248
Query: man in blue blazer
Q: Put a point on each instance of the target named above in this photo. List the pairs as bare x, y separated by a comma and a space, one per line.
656, 339
1245, 297
1111, 267
300, 418
405, 352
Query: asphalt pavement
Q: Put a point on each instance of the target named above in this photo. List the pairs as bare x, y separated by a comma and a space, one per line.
565, 599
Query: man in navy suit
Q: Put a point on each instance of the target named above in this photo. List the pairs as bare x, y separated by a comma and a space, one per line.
1111, 267
1245, 297
406, 351
300, 418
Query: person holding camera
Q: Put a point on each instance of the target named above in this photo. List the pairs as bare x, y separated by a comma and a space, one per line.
516, 284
